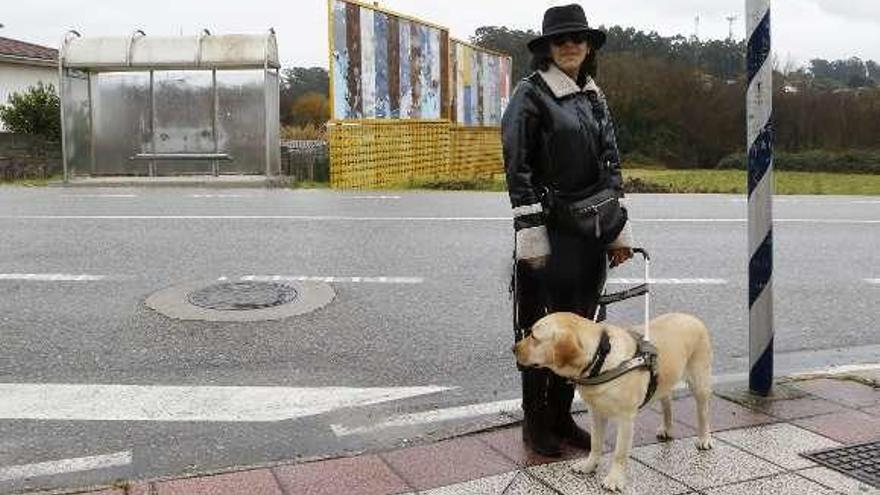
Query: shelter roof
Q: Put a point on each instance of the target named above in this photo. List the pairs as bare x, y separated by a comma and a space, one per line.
142, 52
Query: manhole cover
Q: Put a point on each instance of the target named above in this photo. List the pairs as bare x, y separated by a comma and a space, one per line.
242, 296
857, 461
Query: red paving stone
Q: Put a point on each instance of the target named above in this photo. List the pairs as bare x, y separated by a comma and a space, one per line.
846, 427
447, 462
800, 408
509, 442
364, 475
844, 392
725, 415
259, 482
134, 490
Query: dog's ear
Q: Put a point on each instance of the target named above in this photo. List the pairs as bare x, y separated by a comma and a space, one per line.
568, 351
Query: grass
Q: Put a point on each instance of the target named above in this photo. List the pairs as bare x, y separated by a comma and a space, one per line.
39, 182
656, 180
734, 181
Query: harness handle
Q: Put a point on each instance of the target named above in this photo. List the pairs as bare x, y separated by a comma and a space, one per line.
642, 289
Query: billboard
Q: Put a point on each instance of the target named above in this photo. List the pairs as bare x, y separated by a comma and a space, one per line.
480, 82
385, 65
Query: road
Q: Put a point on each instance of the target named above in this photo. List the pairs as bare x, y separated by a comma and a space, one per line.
421, 301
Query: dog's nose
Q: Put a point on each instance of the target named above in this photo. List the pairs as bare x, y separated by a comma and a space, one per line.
513, 348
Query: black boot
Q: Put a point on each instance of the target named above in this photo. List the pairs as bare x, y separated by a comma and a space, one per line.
565, 426
540, 413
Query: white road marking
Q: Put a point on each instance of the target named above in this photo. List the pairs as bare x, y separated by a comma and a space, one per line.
838, 370
370, 197
307, 218
670, 281
310, 218
75, 465
873, 280
329, 280
92, 196
435, 416
51, 277
866, 202
220, 195
90, 402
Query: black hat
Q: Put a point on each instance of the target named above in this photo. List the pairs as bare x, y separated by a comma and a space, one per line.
567, 19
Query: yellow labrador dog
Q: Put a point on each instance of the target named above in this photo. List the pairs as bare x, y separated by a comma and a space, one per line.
567, 344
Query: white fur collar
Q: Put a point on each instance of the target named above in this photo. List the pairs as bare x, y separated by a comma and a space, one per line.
562, 85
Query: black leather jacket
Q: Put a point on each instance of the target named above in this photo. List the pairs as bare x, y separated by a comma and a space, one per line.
558, 136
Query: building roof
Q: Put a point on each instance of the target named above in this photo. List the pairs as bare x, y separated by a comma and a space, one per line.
11, 49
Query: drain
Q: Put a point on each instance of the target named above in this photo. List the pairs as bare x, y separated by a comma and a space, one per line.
856, 461
242, 296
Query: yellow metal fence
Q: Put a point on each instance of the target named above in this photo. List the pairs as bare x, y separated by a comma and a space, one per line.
388, 153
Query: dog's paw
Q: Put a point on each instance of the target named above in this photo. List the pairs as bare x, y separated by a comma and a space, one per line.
663, 435
704, 443
586, 466
615, 481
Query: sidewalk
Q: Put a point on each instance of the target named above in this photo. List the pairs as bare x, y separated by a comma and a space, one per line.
757, 447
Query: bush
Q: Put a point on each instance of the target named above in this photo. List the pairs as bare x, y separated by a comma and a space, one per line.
37, 111
308, 132
850, 161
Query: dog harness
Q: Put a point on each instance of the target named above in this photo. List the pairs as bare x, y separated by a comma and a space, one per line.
644, 358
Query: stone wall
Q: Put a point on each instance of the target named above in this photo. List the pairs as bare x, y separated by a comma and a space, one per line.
28, 157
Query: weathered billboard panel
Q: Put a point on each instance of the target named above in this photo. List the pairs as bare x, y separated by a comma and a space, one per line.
385, 65
480, 85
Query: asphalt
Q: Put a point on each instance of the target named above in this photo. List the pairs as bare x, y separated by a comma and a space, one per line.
452, 329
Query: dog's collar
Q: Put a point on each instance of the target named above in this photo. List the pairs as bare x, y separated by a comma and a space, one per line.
594, 367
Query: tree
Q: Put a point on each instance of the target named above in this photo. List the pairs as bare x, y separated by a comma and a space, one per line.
510, 41
298, 81
37, 111
311, 108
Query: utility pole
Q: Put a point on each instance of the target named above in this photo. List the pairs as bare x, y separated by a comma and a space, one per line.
697, 27
730, 20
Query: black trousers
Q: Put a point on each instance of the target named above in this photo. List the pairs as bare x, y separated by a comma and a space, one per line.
571, 281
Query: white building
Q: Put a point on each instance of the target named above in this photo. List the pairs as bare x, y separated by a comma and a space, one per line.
23, 65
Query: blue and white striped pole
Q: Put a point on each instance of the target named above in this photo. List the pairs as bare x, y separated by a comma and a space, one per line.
759, 101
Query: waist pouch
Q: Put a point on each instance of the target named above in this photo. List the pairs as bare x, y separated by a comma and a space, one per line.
599, 216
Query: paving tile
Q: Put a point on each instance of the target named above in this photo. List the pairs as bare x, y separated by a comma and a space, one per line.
724, 414
509, 442
848, 393
525, 484
645, 431
493, 485
365, 475
446, 463
800, 408
845, 427
640, 479
873, 411
779, 444
787, 484
258, 482
681, 460
132, 490
839, 481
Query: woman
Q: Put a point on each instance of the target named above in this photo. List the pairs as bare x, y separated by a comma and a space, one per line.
558, 143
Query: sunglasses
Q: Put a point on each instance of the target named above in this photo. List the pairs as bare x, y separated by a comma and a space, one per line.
576, 38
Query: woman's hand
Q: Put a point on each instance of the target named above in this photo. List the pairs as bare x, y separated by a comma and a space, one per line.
618, 256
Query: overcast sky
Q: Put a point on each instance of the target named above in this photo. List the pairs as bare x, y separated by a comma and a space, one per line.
802, 29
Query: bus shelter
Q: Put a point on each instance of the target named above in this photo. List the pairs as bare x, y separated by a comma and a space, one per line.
161, 106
